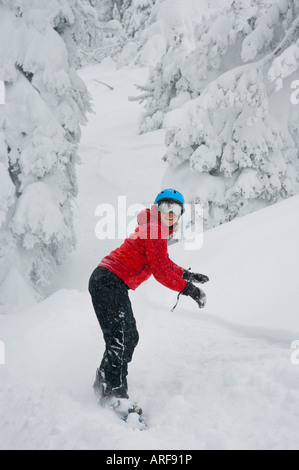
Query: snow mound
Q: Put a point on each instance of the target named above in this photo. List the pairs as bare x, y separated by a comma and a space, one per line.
252, 264
221, 378
201, 381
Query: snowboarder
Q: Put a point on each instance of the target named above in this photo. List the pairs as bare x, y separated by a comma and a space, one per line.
143, 254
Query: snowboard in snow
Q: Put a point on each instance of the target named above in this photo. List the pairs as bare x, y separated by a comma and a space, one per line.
136, 421
129, 412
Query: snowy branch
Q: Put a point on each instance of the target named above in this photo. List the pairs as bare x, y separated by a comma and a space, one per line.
140, 98
290, 36
103, 83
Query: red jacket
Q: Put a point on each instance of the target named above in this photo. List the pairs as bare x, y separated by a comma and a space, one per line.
145, 253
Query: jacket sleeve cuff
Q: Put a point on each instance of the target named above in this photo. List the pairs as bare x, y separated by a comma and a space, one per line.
186, 275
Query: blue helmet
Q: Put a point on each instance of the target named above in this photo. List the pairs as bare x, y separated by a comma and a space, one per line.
170, 195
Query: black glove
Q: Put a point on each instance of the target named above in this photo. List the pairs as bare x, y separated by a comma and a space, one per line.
197, 294
194, 277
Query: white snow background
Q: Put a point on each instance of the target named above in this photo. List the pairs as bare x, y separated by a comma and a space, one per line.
221, 378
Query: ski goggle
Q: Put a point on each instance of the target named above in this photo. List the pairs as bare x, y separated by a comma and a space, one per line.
167, 207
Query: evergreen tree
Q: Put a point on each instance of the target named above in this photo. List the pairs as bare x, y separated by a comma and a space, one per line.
135, 14
225, 120
46, 103
104, 9
121, 25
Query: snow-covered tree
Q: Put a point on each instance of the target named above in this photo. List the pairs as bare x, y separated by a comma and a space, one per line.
81, 34
213, 91
109, 37
135, 14
104, 9
46, 103
121, 24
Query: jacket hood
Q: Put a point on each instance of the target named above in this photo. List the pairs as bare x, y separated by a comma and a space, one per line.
148, 216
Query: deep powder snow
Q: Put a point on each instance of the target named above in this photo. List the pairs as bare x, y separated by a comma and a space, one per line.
221, 378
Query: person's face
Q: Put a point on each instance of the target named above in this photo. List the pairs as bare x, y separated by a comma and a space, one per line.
168, 220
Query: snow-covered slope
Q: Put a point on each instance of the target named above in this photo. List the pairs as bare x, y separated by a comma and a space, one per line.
253, 265
215, 379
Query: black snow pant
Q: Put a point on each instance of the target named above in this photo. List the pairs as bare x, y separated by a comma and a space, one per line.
113, 309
